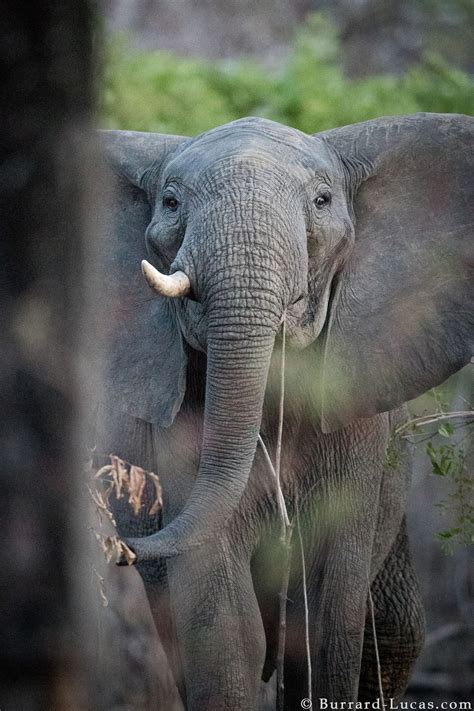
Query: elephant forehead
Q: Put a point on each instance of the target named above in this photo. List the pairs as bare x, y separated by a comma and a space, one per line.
253, 148
252, 131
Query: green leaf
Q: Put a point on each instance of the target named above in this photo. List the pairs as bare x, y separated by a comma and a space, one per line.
445, 534
446, 430
437, 469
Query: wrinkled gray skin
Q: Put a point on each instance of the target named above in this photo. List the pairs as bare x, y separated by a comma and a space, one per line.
359, 238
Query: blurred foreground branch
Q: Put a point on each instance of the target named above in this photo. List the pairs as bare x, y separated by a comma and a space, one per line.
46, 104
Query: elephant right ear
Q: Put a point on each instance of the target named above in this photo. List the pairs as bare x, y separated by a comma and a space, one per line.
401, 320
145, 361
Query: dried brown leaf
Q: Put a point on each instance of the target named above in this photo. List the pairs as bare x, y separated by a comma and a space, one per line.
136, 486
119, 473
101, 586
128, 553
107, 469
106, 493
113, 547
158, 502
101, 504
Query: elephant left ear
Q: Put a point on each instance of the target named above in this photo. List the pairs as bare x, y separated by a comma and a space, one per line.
145, 358
402, 316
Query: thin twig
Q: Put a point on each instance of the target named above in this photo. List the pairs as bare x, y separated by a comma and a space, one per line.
282, 402
286, 534
286, 530
281, 503
285, 539
306, 610
429, 419
282, 622
376, 646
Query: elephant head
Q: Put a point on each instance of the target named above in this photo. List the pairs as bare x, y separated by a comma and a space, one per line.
358, 237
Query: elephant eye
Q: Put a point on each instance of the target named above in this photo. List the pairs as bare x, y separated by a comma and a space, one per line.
323, 199
170, 202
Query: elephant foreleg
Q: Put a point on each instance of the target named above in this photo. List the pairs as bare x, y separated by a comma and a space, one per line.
337, 586
219, 627
338, 553
399, 624
157, 590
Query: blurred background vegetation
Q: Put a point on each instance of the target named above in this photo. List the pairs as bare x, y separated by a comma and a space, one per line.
308, 89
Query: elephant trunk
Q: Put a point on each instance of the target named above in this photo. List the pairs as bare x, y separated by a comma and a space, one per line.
240, 345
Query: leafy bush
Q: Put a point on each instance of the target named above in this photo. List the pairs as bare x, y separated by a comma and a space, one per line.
156, 91
443, 434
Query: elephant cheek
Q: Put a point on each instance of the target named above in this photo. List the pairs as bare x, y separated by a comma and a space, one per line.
193, 323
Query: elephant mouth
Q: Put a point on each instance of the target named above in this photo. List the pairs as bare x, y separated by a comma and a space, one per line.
305, 318
308, 317
303, 324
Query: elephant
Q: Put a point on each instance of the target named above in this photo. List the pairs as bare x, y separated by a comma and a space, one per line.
349, 249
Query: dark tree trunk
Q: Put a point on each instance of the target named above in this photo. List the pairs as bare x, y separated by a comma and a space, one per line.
45, 107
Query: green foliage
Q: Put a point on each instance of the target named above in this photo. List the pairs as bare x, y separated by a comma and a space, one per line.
449, 461
157, 91
435, 86
442, 434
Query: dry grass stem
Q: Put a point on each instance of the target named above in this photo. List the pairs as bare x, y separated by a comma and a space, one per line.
282, 510
376, 647
286, 531
306, 610
282, 403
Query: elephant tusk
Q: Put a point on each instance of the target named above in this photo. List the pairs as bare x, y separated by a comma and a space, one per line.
173, 285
